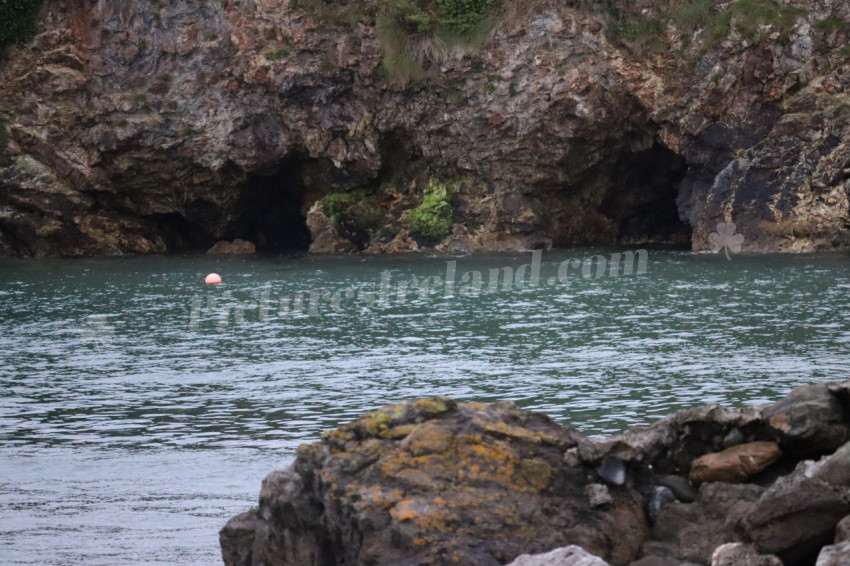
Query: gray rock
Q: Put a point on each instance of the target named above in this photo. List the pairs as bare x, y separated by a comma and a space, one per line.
674, 442
567, 556
680, 487
612, 470
740, 554
809, 420
836, 469
660, 497
834, 555
796, 515
690, 532
598, 494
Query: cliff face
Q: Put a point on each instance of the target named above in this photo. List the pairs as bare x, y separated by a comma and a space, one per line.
138, 126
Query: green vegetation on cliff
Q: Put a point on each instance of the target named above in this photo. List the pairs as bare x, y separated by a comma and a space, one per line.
432, 220
17, 21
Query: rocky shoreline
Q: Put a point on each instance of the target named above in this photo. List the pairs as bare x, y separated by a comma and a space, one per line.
436, 481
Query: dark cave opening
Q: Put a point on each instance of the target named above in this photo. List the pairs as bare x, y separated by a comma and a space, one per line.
180, 233
642, 199
270, 210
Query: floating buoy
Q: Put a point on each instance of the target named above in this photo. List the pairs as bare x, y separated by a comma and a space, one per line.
213, 278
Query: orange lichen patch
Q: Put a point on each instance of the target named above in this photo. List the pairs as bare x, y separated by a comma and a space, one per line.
473, 405
418, 541
428, 438
375, 495
494, 461
534, 473
374, 423
418, 478
428, 514
308, 451
438, 465
404, 511
499, 428
397, 432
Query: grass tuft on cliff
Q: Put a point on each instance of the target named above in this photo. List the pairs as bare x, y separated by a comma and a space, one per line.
17, 22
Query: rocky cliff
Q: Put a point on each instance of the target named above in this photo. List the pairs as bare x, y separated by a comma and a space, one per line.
153, 126
439, 482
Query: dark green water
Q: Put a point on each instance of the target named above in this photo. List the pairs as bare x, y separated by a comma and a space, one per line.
130, 431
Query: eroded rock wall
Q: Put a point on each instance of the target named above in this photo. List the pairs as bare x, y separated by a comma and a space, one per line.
137, 126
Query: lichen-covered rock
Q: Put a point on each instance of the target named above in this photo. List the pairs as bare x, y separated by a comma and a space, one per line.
439, 482
434, 482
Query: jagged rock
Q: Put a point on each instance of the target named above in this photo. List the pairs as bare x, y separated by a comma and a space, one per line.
240, 115
797, 514
689, 532
325, 239
739, 554
810, 420
567, 556
673, 443
434, 482
834, 555
236, 247
735, 464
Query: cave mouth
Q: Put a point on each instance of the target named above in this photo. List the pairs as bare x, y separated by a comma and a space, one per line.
270, 210
642, 198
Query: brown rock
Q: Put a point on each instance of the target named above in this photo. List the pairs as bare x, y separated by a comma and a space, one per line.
735, 464
236, 247
739, 554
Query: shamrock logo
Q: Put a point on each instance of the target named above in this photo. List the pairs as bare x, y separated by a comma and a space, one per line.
96, 331
726, 239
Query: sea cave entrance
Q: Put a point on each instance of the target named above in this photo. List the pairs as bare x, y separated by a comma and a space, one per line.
270, 210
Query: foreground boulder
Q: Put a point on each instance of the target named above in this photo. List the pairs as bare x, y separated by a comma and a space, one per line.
439, 482
434, 482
